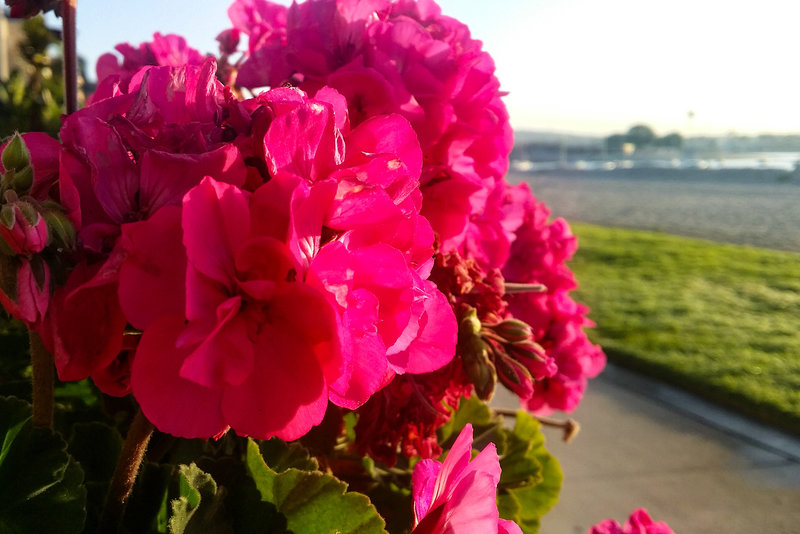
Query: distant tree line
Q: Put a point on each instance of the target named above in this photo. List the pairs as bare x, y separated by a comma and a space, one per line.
642, 136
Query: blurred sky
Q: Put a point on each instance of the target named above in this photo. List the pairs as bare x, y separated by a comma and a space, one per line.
582, 66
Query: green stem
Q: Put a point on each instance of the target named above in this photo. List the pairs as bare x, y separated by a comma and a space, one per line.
130, 459
69, 33
43, 375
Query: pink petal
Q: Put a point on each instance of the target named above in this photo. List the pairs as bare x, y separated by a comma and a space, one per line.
433, 343
216, 222
225, 356
453, 466
365, 353
304, 142
152, 277
166, 177
173, 404
85, 322
422, 485
506, 526
285, 395
32, 300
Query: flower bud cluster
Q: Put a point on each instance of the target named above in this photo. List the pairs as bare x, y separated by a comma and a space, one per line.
34, 227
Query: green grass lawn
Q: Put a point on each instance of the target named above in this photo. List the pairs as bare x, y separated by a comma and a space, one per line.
720, 320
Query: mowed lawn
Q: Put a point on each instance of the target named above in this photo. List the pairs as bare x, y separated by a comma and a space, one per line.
720, 320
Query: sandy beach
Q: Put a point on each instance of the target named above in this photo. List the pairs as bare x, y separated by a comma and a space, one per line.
757, 207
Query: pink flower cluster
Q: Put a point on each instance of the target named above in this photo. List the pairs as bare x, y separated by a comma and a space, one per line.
164, 50
399, 57
538, 255
352, 215
272, 257
407, 58
639, 522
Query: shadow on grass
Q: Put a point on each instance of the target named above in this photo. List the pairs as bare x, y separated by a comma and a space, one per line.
760, 412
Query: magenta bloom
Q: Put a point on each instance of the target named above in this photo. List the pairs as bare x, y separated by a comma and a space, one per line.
459, 495
126, 157
256, 347
639, 522
164, 50
397, 57
538, 254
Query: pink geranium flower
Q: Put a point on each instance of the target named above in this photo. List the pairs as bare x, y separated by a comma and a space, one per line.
458, 496
256, 348
125, 158
639, 522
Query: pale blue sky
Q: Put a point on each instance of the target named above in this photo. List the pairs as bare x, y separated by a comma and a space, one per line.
589, 66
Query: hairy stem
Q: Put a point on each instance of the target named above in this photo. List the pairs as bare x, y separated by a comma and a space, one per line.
43, 376
130, 459
69, 33
569, 426
514, 287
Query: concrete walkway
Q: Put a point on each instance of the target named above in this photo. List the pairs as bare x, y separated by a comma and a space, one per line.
700, 468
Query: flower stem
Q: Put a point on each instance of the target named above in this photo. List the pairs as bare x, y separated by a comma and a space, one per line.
69, 33
42, 364
514, 287
130, 459
570, 426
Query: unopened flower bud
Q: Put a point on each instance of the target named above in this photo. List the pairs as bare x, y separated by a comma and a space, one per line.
16, 155
480, 370
512, 330
514, 376
527, 350
61, 229
22, 228
20, 181
474, 353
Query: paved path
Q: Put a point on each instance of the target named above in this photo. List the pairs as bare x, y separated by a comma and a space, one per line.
700, 468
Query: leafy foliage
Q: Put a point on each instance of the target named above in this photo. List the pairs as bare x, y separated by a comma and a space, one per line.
31, 98
312, 501
531, 478
41, 485
199, 506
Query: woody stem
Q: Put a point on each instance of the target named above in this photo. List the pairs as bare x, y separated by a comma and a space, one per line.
69, 35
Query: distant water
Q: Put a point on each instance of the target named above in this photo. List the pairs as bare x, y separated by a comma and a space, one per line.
784, 161
758, 207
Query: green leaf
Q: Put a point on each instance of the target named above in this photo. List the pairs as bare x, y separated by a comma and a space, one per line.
199, 508
531, 478
281, 456
148, 506
313, 502
96, 446
470, 410
519, 463
248, 513
41, 485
